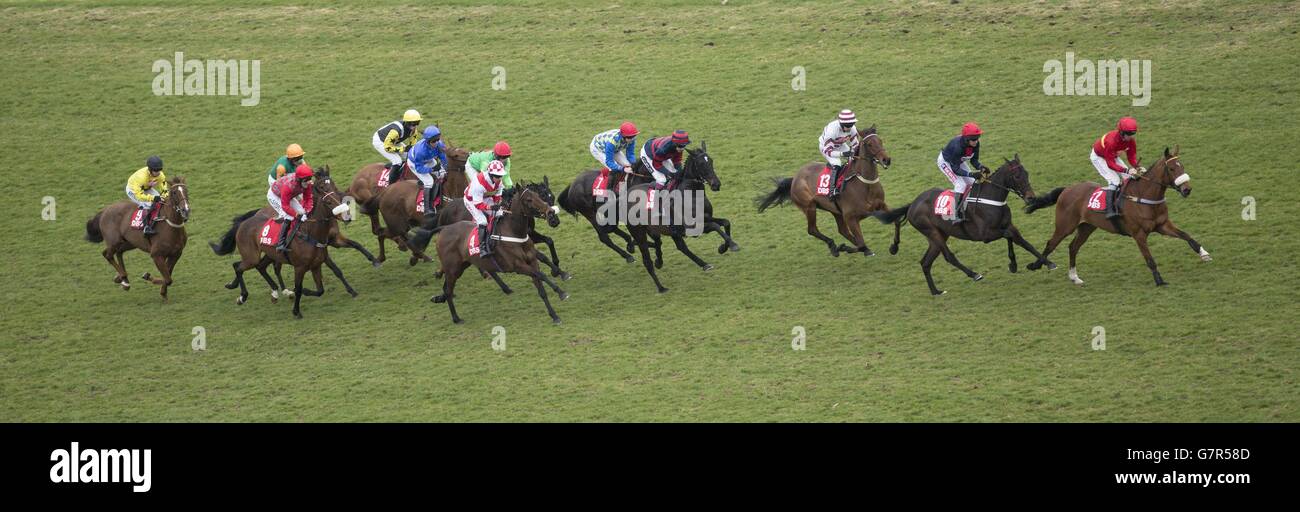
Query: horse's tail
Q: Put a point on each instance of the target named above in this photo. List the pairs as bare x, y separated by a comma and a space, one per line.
563, 199
776, 197
891, 216
422, 237
93, 234
1041, 201
227, 244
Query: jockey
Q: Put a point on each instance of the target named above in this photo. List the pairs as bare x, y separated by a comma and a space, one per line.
1105, 157
393, 139
291, 160
478, 162
429, 160
147, 187
291, 193
838, 142
614, 149
960, 163
481, 198
663, 155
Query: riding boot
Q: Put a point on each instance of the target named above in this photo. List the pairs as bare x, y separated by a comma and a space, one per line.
483, 238
151, 217
285, 236
395, 171
960, 209
1112, 203
835, 180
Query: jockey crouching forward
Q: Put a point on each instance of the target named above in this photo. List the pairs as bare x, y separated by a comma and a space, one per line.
482, 198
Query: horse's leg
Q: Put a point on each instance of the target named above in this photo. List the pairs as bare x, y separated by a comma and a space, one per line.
539, 238
121, 264
541, 292
284, 290
504, 289
602, 232
1168, 229
659, 249
843, 227
1141, 238
1085, 230
1063, 229
680, 242
449, 288
640, 235
1014, 236
927, 261
320, 283
120, 278
898, 227
339, 274
555, 268
298, 272
952, 260
558, 291
723, 228
361, 249
855, 228
276, 290
811, 213
164, 267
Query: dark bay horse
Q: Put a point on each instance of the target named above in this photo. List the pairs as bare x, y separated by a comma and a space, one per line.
577, 199
514, 250
307, 251
988, 218
861, 196
1144, 212
365, 189
112, 225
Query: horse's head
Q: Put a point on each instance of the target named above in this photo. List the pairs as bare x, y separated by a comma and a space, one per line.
1013, 176
456, 157
872, 147
1170, 173
179, 196
699, 166
526, 201
327, 195
543, 190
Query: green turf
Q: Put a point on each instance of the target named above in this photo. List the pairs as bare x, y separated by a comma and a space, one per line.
77, 115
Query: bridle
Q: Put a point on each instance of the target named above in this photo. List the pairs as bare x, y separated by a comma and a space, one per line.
1142, 200
874, 158
971, 197
180, 187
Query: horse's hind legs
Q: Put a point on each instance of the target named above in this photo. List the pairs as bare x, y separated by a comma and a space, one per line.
118, 266
811, 214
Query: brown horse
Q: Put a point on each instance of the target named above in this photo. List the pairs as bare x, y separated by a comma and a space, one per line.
112, 225
307, 251
365, 189
862, 194
988, 218
514, 250
1143, 213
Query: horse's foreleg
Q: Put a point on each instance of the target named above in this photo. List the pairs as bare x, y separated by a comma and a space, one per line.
898, 228
239, 281
275, 289
558, 291
680, 242
339, 274
1141, 238
723, 228
284, 290
449, 288
1168, 229
502, 284
121, 272
1063, 229
541, 292
855, 228
298, 273
602, 232
539, 238
952, 260
659, 249
361, 249
927, 262
640, 235
320, 283
1084, 231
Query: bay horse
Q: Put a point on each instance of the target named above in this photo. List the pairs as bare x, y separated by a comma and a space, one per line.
112, 225
307, 251
577, 199
861, 196
514, 251
1143, 213
454, 211
988, 218
365, 189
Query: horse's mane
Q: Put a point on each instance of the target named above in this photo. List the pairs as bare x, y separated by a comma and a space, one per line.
509, 194
176, 180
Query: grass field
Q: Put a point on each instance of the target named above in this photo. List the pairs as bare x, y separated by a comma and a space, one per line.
77, 116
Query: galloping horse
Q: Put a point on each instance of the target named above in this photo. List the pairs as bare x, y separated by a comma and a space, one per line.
454, 211
112, 225
987, 219
514, 251
1144, 213
365, 189
577, 199
307, 251
862, 195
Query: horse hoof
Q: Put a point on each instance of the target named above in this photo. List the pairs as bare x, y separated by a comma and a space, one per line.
835, 253
659, 264
663, 290
457, 321
286, 292
1032, 266
722, 249
413, 261
1076, 281
437, 299
564, 296
555, 321
117, 279
231, 286
1012, 268
297, 315
868, 253
707, 267
630, 259
145, 276
733, 248
239, 301
507, 291
1206, 258
978, 277
437, 275
352, 293
938, 293
377, 264
1051, 266
126, 285
565, 276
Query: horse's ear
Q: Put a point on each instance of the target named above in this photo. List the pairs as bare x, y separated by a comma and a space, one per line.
1017, 158
1005, 159
546, 180
1177, 149
1167, 155
704, 146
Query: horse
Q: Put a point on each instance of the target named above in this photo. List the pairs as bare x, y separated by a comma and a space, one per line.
365, 189
987, 219
862, 194
577, 199
514, 252
454, 211
697, 170
307, 251
112, 225
1143, 214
